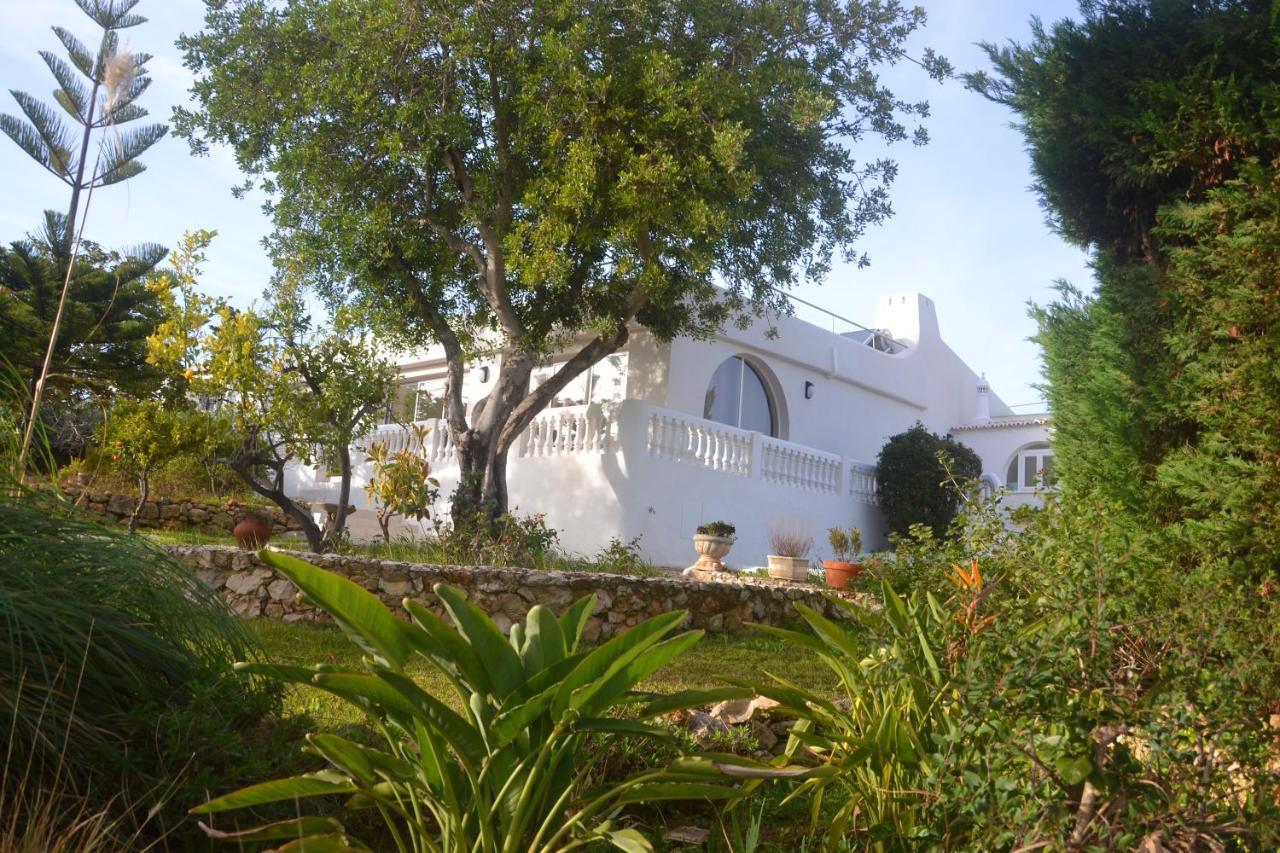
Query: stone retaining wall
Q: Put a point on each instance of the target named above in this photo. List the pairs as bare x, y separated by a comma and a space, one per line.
254, 589
169, 514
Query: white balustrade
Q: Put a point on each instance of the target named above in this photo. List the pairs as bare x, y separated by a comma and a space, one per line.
682, 438
862, 481
800, 467
560, 432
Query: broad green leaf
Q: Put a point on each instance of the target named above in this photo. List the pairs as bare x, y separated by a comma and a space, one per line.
493, 650
596, 697
654, 791
444, 646
544, 641
291, 788
357, 611
461, 735
1073, 769
615, 654
296, 828
693, 699
629, 840
333, 843
574, 621
624, 727
829, 632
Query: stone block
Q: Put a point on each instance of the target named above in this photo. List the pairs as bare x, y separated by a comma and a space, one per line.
121, 504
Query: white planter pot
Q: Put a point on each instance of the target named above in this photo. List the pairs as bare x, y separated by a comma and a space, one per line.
788, 568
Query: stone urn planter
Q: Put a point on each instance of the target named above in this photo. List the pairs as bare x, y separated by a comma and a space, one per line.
712, 542
251, 533
711, 552
788, 568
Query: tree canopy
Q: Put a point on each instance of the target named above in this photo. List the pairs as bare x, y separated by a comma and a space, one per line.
106, 320
1154, 138
525, 180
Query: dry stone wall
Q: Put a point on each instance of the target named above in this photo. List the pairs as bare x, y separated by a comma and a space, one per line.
163, 513
254, 589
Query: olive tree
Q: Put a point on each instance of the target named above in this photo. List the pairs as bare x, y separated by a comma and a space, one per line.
524, 179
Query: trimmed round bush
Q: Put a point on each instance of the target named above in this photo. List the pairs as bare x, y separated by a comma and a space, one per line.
914, 486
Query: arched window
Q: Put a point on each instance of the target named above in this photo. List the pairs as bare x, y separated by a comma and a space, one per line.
738, 396
1030, 468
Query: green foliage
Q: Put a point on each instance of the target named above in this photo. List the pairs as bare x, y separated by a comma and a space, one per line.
917, 472
1154, 140
503, 773
401, 482
878, 749
109, 313
143, 435
723, 529
578, 168
508, 540
845, 544
107, 643
1097, 693
295, 391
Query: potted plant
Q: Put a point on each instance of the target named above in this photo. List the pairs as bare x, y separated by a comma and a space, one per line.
790, 558
712, 541
845, 547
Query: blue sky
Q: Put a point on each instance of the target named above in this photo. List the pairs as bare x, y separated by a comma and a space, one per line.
966, 231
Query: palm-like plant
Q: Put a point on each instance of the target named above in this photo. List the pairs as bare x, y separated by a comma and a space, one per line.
506, 772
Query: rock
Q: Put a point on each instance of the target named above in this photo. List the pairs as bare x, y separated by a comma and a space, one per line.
688, 834
702, 727
243, 583
121, 504
196, 515
734, 711
764, 735
397, 589
281, 589
211, 578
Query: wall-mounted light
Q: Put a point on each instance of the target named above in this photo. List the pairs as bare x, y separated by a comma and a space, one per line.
484, 373
808, 390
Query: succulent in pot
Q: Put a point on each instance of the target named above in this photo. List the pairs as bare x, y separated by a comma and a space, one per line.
846, 545
789, 557
712, 541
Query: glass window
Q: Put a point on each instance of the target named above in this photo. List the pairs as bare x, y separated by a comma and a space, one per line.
737, 396
1031, 468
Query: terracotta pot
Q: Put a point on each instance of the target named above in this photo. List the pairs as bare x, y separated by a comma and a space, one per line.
840, 573
788, 568
711, 550
252, 532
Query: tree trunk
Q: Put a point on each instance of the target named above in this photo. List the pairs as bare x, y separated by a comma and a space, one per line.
144, 489
244, 462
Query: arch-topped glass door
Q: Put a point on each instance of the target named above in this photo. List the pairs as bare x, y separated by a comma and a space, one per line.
737, 396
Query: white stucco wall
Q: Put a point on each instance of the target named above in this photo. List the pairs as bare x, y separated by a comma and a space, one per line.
654, 469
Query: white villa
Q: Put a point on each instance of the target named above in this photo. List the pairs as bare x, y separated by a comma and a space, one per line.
754, 429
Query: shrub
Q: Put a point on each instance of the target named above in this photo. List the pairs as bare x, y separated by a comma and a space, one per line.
845, 544
917, 472
104, 639
788, 542
401, 482
504, 772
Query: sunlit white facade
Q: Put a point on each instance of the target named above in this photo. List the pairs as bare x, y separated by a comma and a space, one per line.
757, 429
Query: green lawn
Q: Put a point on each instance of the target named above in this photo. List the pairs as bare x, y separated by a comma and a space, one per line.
705, 665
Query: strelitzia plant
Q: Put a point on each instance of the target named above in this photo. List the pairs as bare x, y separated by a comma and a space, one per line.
506, 773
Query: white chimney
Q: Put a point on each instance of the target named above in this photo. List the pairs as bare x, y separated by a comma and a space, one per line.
982, 414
